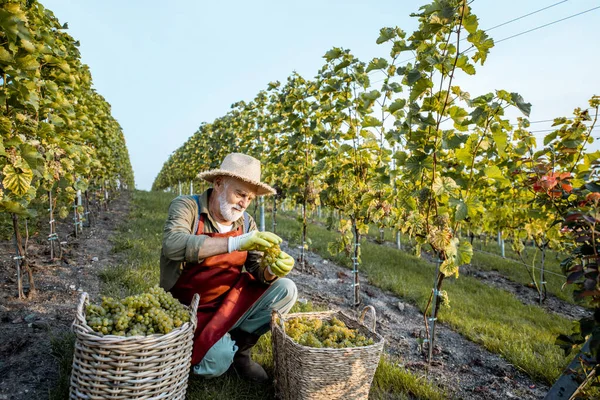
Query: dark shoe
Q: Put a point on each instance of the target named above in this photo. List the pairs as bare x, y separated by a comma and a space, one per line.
242, 362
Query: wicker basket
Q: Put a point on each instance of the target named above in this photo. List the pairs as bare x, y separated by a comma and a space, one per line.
137, 367
303, 372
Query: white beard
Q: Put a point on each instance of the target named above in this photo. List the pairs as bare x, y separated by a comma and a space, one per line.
230, 212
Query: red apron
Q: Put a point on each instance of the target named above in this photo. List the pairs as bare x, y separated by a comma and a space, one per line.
226, 292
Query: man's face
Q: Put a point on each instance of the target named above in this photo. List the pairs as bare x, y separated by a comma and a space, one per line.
234, 197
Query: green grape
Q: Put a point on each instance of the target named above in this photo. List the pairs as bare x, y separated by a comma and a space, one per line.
144, 314
270, 256
309, 339
314, 332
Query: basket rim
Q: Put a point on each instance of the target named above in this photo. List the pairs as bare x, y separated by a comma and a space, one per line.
90, 332
380, 339
81, 328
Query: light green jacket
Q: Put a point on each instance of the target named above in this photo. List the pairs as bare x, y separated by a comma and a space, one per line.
181, 245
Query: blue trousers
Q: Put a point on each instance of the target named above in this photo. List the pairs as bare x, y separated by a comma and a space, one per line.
280, 296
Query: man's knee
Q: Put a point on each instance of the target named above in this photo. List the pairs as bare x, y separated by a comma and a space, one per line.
287, 286
289, 293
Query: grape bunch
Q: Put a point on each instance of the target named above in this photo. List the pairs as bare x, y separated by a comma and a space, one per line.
144, 314
313, 332
270, 256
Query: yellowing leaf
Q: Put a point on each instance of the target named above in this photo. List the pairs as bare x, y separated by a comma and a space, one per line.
449, 268
440, 239
5, 56
17, 178
28, 46
370, 121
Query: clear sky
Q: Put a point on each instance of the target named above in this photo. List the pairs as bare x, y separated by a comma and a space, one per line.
166, 67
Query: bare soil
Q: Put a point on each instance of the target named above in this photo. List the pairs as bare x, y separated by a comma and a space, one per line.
465, 369
27, 368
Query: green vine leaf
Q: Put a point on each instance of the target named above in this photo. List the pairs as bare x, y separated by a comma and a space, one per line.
377, 63
385, 34
398, 104
413, 76
419, 88
470, 23
444, 185
524, 107
464, 253
369, 121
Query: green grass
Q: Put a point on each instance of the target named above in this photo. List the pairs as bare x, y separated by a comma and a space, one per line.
392, 378
530, 254
138, 244
522, 334
517, 273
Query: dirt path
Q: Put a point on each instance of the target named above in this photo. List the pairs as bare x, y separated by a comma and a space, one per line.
465, 369
27, 369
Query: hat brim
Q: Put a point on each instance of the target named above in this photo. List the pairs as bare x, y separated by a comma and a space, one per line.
262, 189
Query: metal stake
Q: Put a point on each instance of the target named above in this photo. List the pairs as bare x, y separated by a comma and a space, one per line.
433, 318
355, 270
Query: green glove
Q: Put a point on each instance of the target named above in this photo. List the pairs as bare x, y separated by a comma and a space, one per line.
282, 266
253, 241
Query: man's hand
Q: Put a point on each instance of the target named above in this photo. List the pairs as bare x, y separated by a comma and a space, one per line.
253, 241
282, 266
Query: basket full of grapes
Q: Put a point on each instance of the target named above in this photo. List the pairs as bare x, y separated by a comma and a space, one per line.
139, 347
324, 355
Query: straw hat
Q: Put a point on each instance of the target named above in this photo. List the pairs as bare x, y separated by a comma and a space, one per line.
243, 167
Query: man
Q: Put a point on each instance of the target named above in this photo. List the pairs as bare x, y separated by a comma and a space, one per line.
207, 241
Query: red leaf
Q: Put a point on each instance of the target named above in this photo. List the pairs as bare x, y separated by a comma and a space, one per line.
573, 217
574, 276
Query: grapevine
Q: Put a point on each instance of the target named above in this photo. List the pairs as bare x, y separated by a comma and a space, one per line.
155, 312
57, 134
319, 333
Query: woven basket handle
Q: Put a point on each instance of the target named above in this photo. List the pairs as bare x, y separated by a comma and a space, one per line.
276, 313
80, 314
194, 310
364, 312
